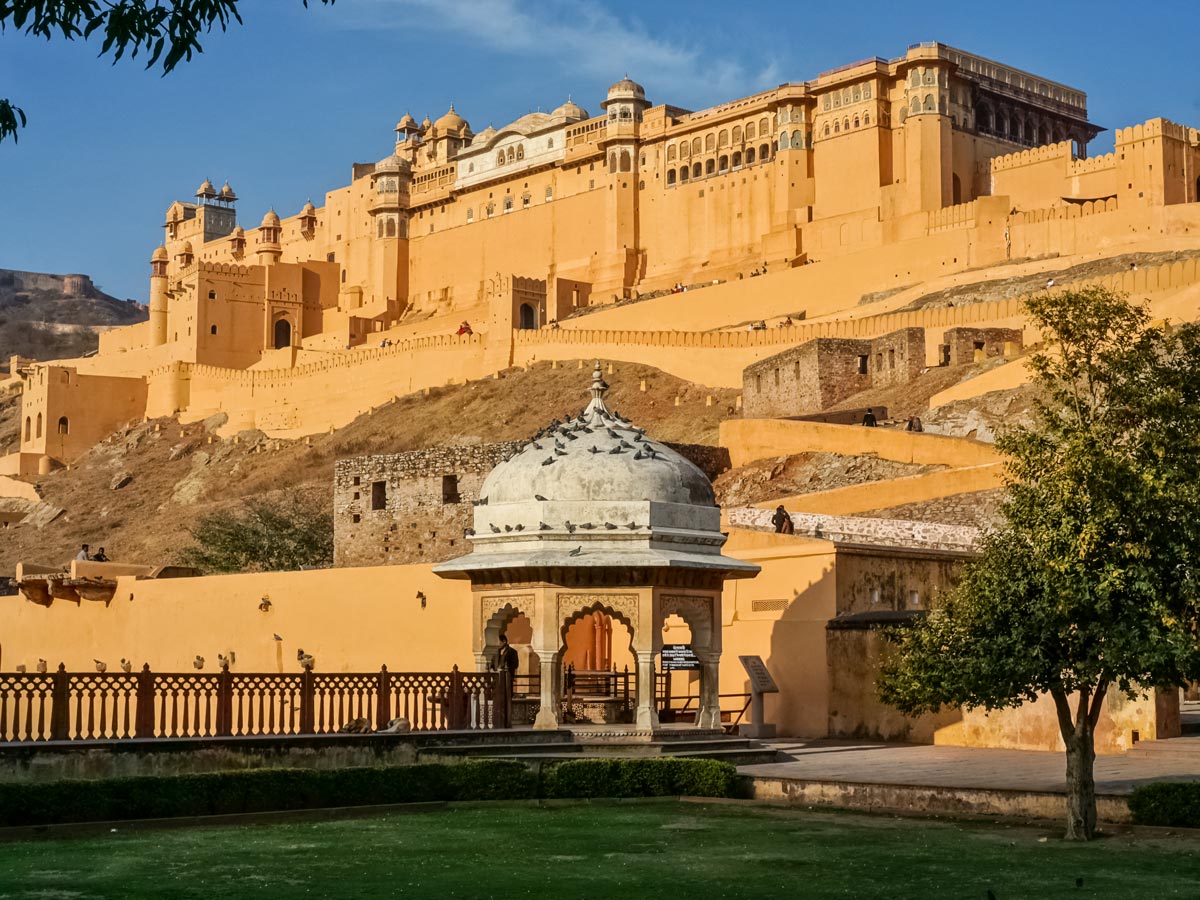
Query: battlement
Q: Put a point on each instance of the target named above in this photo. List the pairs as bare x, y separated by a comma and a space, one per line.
1156, 128
1061, 150
1092, 164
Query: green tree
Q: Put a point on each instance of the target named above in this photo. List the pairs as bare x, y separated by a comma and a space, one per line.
1090, 583
165, 33
264, 535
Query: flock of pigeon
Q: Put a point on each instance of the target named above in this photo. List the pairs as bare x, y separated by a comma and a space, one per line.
554, 436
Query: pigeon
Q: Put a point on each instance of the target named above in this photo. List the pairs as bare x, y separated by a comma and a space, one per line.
558, 452
518, 527
576, 552
626, 445
570, 528
569, 436
609, 525
639, 455
587, 525
495, 528
21, 669
508, 528
307, 661
616, 450
277, 637
559, 445
198, 662
126, 665
638, 438
101, 666
539, 498
222, 661
41, 666
542, 526
468, 532
613, 434
594, 449
482, 501
633, 526
547, 460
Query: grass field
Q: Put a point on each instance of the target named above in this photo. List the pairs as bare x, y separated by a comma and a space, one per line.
601, 850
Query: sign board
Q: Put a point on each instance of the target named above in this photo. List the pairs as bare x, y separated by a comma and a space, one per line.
679, 658
761, 681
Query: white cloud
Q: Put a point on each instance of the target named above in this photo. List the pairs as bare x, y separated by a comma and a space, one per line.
578, 36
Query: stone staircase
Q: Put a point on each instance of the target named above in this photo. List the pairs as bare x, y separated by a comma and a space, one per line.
1185, 748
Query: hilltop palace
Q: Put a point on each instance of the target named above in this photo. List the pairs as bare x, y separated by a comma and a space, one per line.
648, 234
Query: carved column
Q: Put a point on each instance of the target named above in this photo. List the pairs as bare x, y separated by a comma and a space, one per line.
547, 717
647, 715
710, 690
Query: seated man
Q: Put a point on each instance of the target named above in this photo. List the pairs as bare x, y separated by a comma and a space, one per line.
464, 328
100, 556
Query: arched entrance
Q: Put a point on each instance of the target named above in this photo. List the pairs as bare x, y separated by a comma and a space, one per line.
527, 317
597, 664
283, 334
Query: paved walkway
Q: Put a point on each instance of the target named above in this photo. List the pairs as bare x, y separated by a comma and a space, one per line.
962, 767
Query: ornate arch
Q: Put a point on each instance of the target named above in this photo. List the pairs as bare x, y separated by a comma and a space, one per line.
696, 611
497, 613
574, 607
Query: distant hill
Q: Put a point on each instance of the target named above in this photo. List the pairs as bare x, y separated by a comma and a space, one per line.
45, 316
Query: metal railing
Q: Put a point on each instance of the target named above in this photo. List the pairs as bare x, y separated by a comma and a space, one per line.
72, 706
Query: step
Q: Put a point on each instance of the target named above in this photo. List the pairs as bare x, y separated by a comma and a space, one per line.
1187, 747
503, 750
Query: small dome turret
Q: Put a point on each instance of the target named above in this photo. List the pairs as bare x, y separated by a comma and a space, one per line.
407, 123
227, 193
271, 219
206, 191
159, 254
452, 123
308, 209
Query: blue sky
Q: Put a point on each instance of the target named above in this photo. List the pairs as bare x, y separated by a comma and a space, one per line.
282, 106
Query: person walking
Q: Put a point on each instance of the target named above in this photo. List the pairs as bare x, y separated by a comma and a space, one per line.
782, 521
869, 420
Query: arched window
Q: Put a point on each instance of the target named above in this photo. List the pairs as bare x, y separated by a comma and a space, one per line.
612, 161
38, 433
508, 204
697, 171
722, 138
785, 142
525, 198
64, 427
470, 168
857, 93
491, 210
695, 145
797, 140
512, 154
212, 329
670, 153
685, 149
670, 177
710, 167
866, 92
737, 158
283, 334
391, 227
683, 174
379, 228
710, 142
28, 428
956, 187
749, 156
528, 317
723, 164
500, 158
826, 129
750, 131
626, 161
915, 107
857, 122
866, 119
837, 127
930, 106
846, 124
521, 151
764, 126
737, 134
764, 152
470, 216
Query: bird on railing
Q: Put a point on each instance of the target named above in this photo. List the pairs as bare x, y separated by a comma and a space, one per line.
307, 661
21, 669
126, 665
41, 666
277, 637
101, 665
300, 653
222, 660
539, 498
198, 662
576, 552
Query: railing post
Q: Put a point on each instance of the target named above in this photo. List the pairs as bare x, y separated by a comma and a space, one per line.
307, 702
383, 699
455, 713
143, 715
60, 705
224, 702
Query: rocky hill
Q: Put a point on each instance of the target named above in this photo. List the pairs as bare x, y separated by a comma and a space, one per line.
46, 316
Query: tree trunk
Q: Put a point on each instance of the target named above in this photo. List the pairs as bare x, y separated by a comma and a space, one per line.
1079, 734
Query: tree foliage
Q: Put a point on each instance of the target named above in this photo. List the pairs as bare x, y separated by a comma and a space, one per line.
263, 535
1090, 583
164, 33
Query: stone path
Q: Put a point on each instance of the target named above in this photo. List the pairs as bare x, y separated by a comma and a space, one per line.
961, 767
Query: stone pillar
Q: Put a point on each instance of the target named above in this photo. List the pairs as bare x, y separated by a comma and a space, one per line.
547, 717
647, 715
482, 658
710, 690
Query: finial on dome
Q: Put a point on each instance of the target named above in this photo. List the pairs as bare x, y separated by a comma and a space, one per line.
598, 389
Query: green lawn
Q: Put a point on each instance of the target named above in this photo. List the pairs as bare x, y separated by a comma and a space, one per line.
592, 851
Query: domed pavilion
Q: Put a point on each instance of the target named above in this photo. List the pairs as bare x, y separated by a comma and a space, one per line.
594, 516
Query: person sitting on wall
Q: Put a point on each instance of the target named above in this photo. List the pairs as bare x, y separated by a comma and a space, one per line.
100, 556
869, 420
464, 328
83, 554
914, 424
554, 324
786, 323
